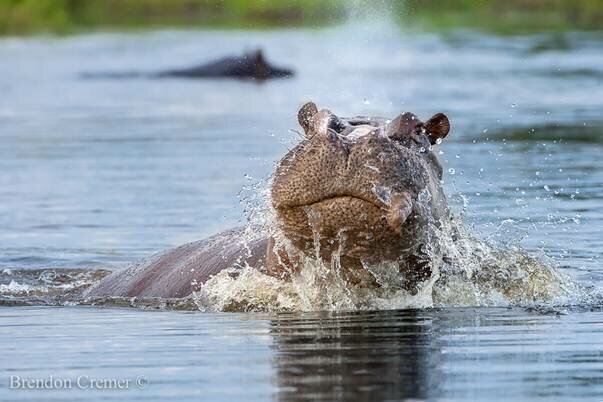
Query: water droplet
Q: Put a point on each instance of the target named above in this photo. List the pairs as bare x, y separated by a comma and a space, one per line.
451, 171
424, 195
547, 188
382, 193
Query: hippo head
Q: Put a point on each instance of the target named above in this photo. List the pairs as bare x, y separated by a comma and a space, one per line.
264, 70
363, 188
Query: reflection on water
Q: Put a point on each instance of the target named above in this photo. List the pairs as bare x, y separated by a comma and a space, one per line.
368, 356
452, 355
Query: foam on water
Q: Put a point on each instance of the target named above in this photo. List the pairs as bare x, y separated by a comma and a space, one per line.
44, 286
476, 275
473, 273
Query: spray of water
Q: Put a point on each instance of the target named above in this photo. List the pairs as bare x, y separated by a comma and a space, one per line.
471, 272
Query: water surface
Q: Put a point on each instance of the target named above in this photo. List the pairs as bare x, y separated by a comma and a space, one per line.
98, 173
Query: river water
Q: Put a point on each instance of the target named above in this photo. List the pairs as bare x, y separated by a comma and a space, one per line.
95, 174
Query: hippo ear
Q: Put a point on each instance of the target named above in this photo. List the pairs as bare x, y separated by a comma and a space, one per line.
437, 128
402, 125
305, 115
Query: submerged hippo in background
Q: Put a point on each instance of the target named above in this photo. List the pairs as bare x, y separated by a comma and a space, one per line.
252, 65
358, 190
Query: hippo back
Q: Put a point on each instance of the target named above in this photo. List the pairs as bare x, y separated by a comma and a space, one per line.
181, 271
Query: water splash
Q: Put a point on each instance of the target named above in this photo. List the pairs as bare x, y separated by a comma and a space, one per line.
480, 273
471, 272
44, 286
468, 272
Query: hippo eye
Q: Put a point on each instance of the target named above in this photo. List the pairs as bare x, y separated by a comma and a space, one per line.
415, 140
419, 137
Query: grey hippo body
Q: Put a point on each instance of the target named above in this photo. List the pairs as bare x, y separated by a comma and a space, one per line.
356, 190
180, 271
252, 65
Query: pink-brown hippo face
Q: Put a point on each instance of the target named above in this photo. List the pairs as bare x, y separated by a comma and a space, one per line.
365, 188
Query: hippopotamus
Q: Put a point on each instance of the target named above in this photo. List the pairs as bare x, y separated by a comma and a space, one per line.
360, 190
252, 65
